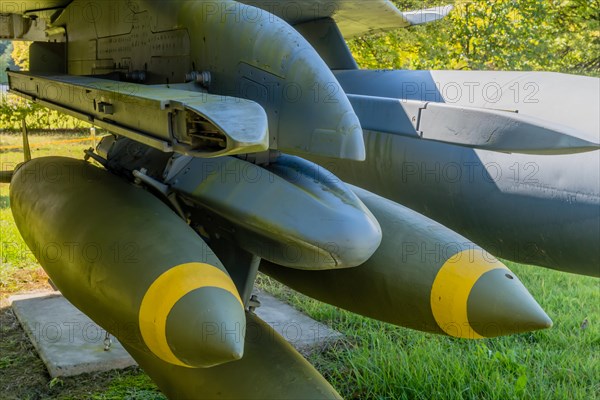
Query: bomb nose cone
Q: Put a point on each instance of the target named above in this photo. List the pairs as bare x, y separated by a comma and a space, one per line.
475, 296
192, 316
499, 305
206, 328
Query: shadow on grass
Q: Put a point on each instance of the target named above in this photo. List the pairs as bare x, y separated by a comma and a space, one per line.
22, 373
12, 150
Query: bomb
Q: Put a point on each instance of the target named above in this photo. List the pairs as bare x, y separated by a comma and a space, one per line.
426, 277
130, 263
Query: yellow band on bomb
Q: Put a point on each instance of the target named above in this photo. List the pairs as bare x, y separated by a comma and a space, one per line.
451, 289
165, 291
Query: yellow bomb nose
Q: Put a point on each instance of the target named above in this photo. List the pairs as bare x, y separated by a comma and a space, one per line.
476, 296
192, 316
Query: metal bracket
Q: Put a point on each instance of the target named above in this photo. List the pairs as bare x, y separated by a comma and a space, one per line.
189, 122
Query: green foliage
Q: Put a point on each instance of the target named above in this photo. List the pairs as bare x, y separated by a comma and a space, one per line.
552, 35
14, 109
6, 60
20, 54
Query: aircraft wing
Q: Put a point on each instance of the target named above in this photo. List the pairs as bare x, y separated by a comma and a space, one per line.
28, 19
354, 18
26, 6
244, 136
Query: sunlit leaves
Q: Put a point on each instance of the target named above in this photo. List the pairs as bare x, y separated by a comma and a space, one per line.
554, 35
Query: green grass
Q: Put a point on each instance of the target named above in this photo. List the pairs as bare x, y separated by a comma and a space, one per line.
374, 361
18, 269
381, 361
22, 373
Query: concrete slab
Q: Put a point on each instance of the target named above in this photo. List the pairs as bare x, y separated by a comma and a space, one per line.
301, 331
68, 342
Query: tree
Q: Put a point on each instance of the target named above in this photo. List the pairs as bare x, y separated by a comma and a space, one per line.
554, 35
5, 59
20, 54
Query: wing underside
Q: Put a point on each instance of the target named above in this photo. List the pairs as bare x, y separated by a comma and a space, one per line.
353, 17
